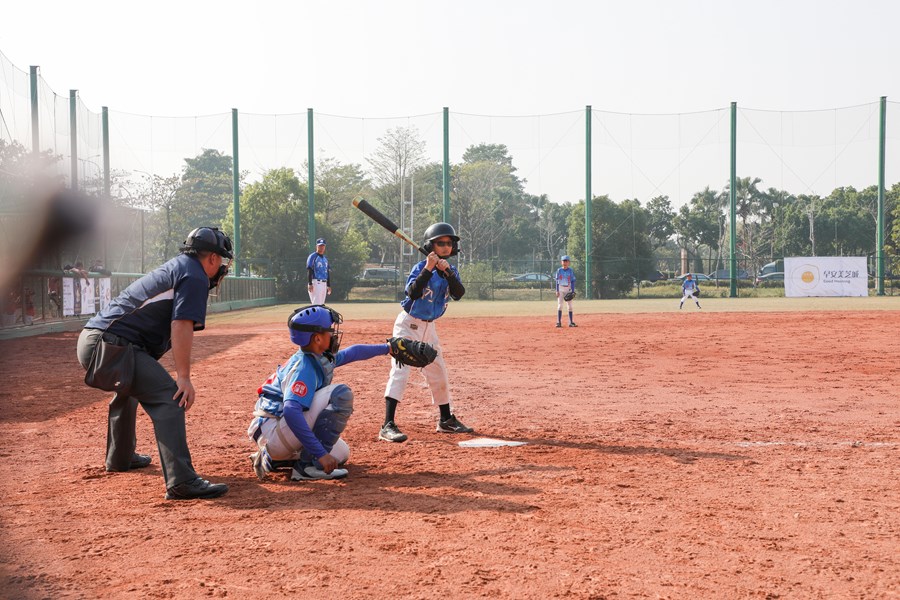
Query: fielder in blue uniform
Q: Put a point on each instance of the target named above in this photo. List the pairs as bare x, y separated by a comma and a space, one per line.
318, 274
159, 311
300, 414
565, 283
430, 285
689, 289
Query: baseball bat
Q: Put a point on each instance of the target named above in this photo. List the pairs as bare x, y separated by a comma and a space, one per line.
376, 215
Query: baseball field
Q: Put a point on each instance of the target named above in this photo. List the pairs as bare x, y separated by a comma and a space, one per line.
748, 450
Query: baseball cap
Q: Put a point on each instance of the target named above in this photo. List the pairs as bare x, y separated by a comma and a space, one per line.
320, 242
565, 257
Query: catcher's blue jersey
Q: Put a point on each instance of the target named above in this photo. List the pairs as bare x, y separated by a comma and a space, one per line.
565, 277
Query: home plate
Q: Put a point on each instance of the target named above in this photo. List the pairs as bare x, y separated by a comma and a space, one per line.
489, 443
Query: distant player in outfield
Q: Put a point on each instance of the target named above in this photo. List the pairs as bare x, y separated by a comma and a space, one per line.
565, 285
430, 285
689, 289
318, 274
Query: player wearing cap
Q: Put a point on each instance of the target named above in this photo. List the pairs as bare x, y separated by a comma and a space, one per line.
689, 289
565, 290
318, 274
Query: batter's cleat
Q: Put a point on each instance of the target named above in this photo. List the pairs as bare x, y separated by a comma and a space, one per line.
194, 489
307, 472
391, 433
453, 425
572, 324
559, 324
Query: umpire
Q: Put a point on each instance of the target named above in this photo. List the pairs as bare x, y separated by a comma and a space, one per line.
161, 310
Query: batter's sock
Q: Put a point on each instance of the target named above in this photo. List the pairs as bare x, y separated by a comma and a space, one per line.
445, 411
390, 407
559, 317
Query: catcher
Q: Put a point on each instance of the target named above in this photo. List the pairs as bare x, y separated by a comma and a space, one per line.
431, 283
565, 290
300, 414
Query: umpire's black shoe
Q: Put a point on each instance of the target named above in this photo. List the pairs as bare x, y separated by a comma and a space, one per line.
196, 488
138, 461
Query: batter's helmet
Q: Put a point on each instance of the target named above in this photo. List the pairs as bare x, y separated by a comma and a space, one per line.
210, 239
317, 318
440, 230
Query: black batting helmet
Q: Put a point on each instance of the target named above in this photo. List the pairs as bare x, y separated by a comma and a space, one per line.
440, 230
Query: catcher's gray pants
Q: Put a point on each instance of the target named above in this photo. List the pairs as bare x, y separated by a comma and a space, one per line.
153, 389
435, 374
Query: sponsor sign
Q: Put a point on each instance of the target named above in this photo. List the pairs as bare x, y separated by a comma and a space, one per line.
825, 276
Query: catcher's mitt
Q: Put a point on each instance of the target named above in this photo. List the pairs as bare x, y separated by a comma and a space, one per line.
411, 352
569, 296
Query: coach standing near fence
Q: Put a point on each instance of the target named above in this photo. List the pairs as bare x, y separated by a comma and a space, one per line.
161, 310
318, 274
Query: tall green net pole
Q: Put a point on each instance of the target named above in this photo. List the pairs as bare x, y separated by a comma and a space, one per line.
446, 181
311, 192
732, 234
588, 288
73, 133
879, 250
35, 120
106, 175
236, 189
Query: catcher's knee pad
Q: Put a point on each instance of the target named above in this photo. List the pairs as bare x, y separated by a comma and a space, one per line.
333, 420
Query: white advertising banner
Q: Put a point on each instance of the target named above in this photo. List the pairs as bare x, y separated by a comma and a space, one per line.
88, 301
104, 291
68, 285
825, 276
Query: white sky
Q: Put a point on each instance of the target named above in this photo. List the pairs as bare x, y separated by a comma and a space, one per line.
395, 58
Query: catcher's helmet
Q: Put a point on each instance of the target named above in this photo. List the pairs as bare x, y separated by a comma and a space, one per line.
210, 239
440, 230
317, 318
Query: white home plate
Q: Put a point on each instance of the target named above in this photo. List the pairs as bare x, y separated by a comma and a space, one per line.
489, 443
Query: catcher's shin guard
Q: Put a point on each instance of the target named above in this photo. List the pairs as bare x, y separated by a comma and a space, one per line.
332, 421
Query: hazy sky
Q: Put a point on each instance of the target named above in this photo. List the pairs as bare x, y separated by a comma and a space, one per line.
392, 58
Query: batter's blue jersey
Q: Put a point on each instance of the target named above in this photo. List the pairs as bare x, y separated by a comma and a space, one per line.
319, 265
144, 311
435, 296
565, 277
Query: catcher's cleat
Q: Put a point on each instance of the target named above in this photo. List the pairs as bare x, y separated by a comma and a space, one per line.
257, 461
453, 425
572, 324
391, 433
308, 472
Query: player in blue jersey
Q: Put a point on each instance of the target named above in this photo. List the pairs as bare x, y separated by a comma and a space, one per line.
318, 274
300, 414
689, 289
565, 284
161, 310
430, 285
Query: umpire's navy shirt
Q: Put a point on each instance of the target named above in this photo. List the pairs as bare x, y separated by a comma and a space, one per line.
176, 291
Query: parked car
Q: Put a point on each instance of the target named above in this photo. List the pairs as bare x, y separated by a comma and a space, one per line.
776, 266
726, 274
656, 276
776, 276
379, 275
531, 277
696, 277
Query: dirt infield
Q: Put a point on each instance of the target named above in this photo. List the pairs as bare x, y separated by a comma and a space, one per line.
670, 455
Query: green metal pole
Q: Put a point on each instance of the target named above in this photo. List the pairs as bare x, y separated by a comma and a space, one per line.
236, 189
588, 253
73, 135
106, 176
311, 192
732, 234
446, 182
879, 251
35, 121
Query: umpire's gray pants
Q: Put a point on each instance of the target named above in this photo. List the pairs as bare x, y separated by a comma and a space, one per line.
153, 389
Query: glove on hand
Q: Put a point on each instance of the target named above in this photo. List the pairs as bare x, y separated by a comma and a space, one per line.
569, 296
411, 352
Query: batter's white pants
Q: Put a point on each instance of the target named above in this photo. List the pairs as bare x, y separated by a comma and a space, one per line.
319, 291
281, 443
563, 290
435, 373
